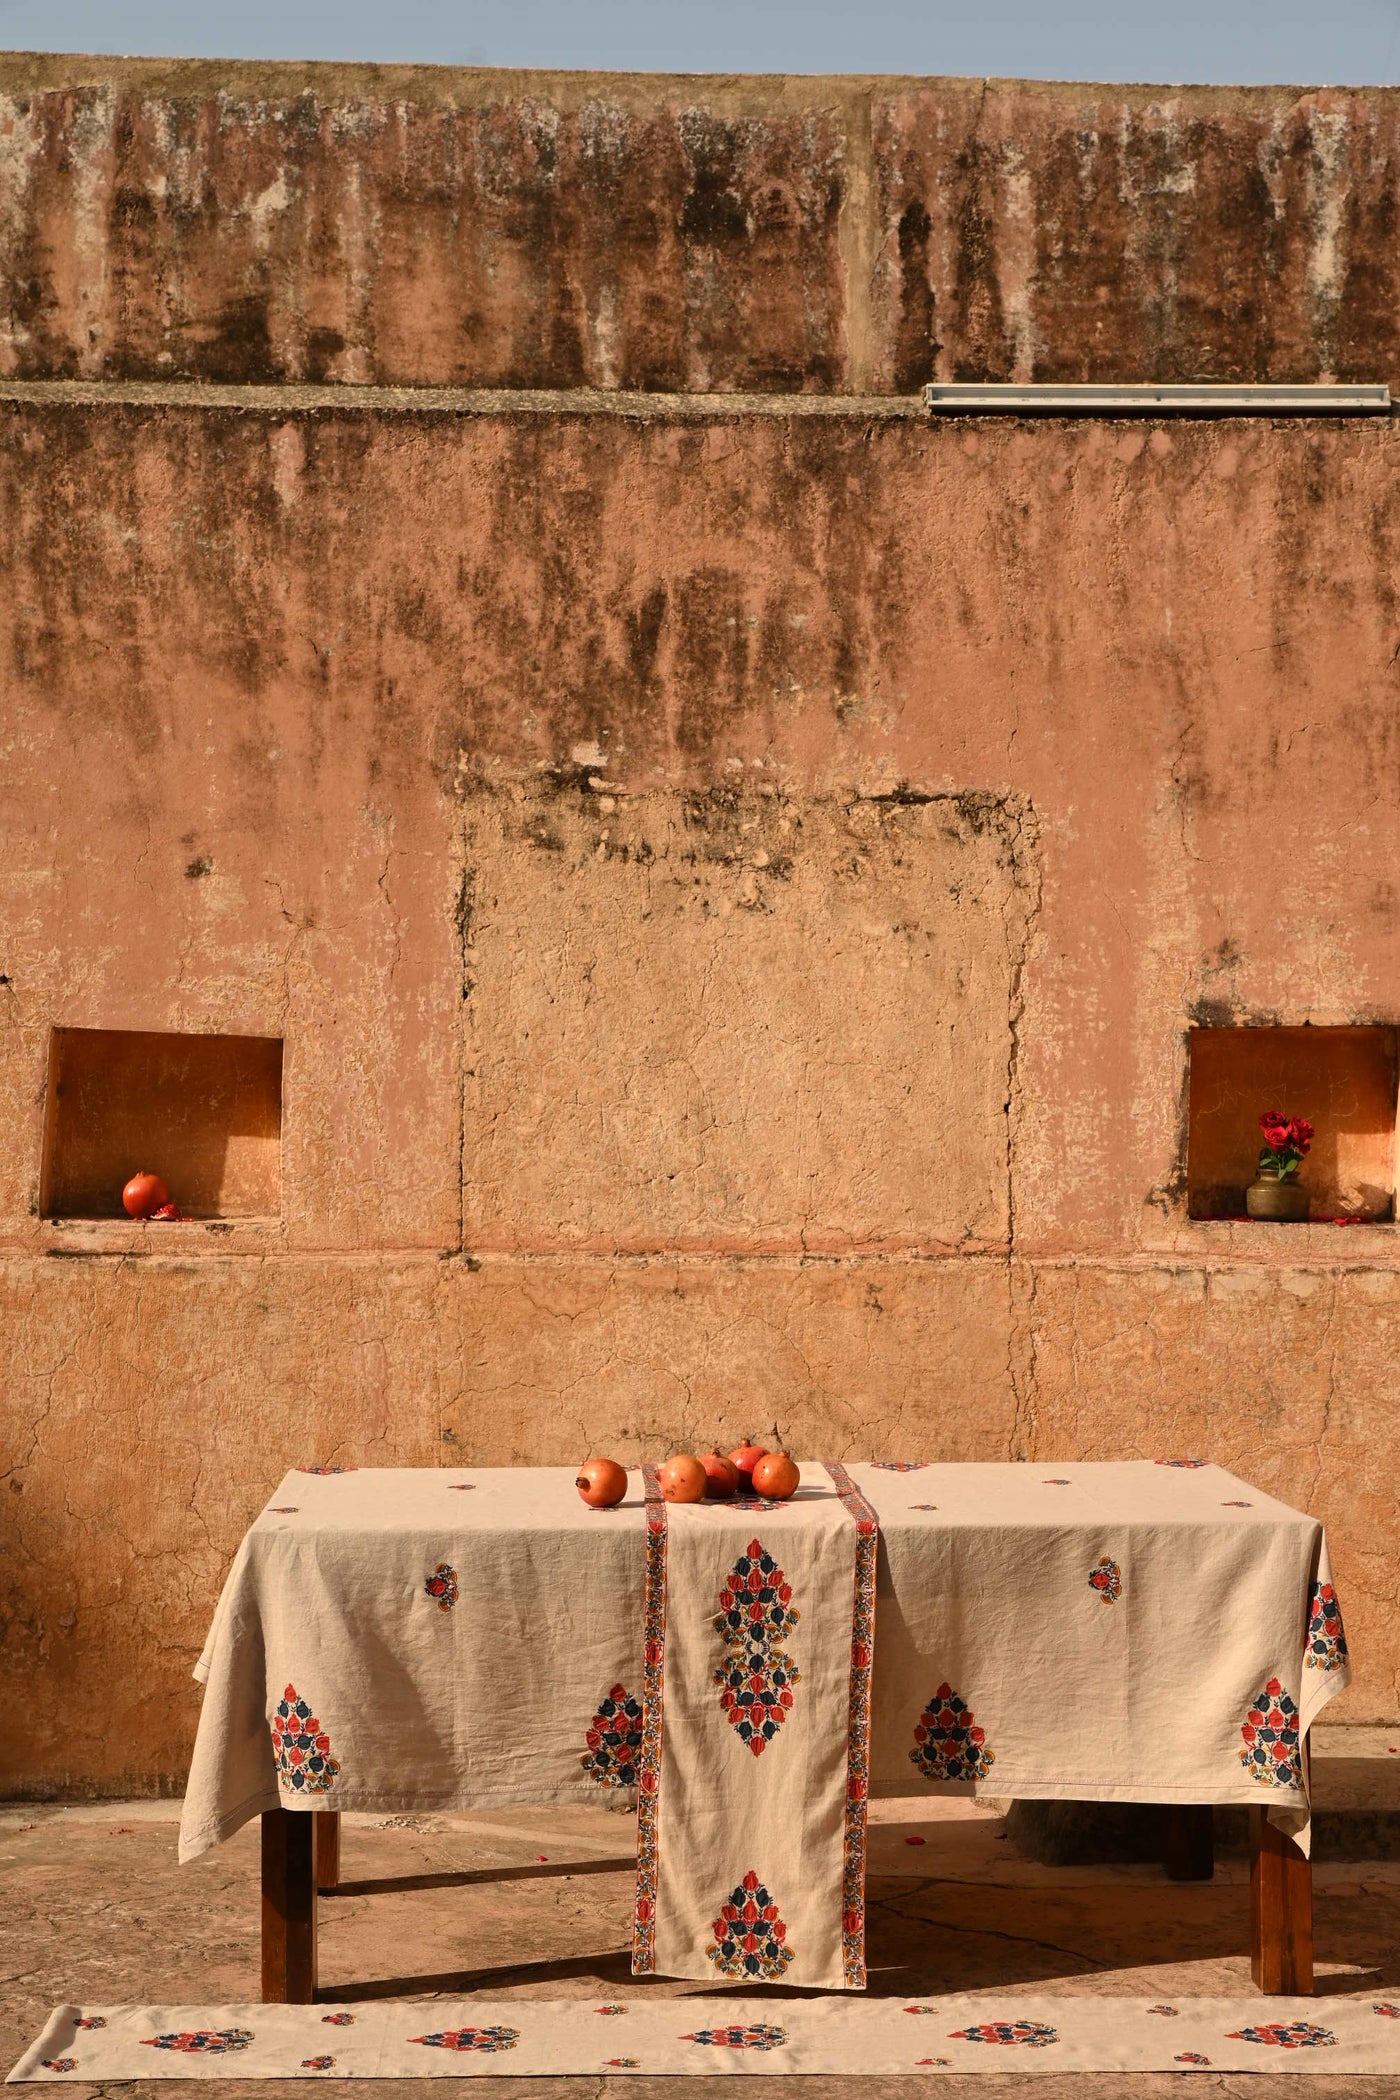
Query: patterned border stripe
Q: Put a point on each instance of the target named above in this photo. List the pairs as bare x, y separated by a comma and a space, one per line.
649, 1756
858, 1725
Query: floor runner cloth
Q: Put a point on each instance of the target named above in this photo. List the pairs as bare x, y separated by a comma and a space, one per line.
753, 1772
653, 2035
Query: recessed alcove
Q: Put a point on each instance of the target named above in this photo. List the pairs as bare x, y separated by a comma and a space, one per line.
1342, 1079
202, 1111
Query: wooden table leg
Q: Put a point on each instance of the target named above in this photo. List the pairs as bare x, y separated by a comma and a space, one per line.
1188, 1843
288, 1907
1280, 1909
328, 1848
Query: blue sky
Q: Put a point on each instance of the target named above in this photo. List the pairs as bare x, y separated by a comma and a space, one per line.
1304, 41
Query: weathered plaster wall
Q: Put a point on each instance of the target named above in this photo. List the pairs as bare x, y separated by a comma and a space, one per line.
927, 782
482, 228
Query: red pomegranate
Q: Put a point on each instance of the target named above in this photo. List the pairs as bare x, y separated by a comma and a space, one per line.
602, 1482
721, 1476
144, 1193
746, 1458
683, 1478
775, 1477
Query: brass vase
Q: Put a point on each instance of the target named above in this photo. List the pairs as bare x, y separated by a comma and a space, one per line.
1285, 1202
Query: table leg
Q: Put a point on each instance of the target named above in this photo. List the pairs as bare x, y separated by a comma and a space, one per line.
1280, 1908
1188, 1843
328, 1848
288, 1907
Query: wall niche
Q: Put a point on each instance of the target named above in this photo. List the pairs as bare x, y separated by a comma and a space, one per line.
202, 1111
1342, 1079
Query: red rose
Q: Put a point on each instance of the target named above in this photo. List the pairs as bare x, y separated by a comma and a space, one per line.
1277, 1129
1300, 1130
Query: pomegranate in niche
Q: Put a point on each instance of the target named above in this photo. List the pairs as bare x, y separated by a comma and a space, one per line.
721, 1475
683, 1478
775, 1477
746, 1458
602, 1482
144, 1193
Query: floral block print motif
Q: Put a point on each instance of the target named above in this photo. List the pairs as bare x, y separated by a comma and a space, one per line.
1190, 1465
93, 2020
946, 1743
757, 2036
1191, 2056
622, 2063
202, 2041
614, 1738
1107, 1579
754, 1620
489, 2039
1385, 2011
610, 2011
749, 1934
938, 2063
337, 2019
318, 2063
1270, 1732
60, 2063
326, 1472
301, 1747
1033, 2033
1326, 1647
1287, 2034
899, 1465
442, 1584
1168, 2012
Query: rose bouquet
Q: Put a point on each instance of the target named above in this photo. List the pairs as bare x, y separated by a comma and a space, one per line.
1286, 1141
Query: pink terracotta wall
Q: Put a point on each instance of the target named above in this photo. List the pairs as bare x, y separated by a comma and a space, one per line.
734, 886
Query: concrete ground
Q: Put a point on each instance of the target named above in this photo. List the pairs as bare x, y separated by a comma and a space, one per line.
96, 1910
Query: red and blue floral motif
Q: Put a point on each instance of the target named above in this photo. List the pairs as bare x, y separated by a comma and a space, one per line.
318, 2063
754, 1619
301, 1747
92, 2020
337, 2019
867, 1526
947, 1743
59, 2063
1107, 1579
1032, 2034
614, 1738
202, 2041
1186, 1465
1386, 2010
759, 2034
487, 2040
326, 1472
1192, 2056
622, 2063
899, 1465
1270, 1731
442, 1584
649, 1758
1326, 1646
750, 1939
1167, 2012
1286, 2034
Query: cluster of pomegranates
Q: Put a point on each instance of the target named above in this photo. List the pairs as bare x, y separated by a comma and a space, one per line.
685, 1478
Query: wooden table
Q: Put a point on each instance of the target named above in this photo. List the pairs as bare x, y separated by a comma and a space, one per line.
301, 1858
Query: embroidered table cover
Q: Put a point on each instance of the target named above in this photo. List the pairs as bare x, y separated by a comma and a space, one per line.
458, 1638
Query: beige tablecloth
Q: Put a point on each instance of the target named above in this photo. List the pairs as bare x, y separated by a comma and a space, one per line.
397, 1640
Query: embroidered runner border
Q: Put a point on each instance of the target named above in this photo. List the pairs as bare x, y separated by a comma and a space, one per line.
649, 1765
858, 1724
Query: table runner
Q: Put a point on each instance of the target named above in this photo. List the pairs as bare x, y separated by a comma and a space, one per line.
759, 1632
398, 1640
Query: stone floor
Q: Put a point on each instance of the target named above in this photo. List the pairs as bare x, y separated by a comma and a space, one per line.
95, 1909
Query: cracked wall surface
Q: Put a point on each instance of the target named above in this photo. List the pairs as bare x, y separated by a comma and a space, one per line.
351, 725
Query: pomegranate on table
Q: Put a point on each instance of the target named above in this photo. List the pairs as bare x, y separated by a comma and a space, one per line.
602, 1482
721, 1476
746, 1458
683, 1478
775, 1477
145, 1194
